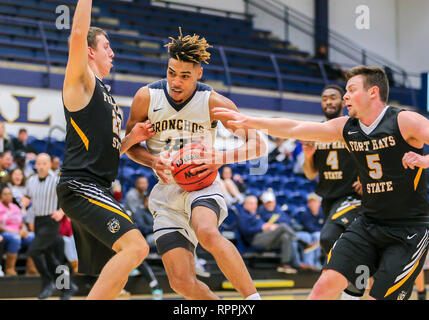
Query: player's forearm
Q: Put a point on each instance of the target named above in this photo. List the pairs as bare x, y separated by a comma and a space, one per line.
141, 155
282, 128
253, 148
309, 169
82, 18
127, 142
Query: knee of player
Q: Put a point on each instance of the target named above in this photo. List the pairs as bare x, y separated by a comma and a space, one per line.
138, 250
331, 279
182, 283
209, 237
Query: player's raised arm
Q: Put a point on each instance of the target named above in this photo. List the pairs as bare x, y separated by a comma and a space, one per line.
309, 167
78, 80
329, 131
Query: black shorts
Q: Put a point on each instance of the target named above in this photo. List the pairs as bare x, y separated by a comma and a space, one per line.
98, 220
393, 255
344, 211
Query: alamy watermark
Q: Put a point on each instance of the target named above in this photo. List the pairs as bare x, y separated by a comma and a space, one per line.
63, 280
362, 21
362, 281
63, 20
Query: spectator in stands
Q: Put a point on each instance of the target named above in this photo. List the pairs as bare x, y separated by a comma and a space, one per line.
6, 161
41, 191
333, 72
256, 232
69, 245
282, 151
5, 142
136, 196
116, 190
141, 216
22, 163
239, 182
312, 220
298, 157
21, 143
14, 231
1, 255
144, 221
16, 183
229, 187
303, 243
56, 164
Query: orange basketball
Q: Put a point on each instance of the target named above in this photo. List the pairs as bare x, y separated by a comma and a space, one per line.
181, 173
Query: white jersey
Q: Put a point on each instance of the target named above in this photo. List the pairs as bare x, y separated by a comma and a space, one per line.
177, 125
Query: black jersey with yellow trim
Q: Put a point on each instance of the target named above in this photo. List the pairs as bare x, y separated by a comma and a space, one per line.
391, 193
337, 170
93, 140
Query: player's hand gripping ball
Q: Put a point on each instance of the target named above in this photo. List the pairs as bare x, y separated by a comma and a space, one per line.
182, 166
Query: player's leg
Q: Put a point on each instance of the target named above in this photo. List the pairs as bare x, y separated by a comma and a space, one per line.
420, 284
350, 261
107, 241
205, 223
180, 268
131, 249
329, 285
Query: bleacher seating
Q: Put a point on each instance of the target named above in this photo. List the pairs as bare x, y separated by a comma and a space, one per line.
139, 30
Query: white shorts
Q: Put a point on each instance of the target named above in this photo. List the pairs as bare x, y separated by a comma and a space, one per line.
170, 206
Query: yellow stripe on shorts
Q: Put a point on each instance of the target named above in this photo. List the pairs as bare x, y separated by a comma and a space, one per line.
105, 206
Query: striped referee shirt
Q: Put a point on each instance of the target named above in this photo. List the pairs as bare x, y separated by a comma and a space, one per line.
43, 194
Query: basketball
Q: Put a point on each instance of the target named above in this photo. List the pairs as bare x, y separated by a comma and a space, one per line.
182, 167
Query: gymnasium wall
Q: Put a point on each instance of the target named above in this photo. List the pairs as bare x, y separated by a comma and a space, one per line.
413, 36
381, 37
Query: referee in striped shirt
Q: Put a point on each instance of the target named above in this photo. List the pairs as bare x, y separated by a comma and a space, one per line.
41, 191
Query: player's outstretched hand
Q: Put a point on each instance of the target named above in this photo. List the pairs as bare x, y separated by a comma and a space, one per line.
308, 148
142, 131
210, 161
412, 160
233, 119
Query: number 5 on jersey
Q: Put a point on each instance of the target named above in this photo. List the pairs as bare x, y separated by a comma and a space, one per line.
373, 161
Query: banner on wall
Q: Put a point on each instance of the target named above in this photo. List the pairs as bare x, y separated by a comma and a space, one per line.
40, 111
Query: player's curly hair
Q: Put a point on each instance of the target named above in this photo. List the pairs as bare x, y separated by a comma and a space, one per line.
189, 48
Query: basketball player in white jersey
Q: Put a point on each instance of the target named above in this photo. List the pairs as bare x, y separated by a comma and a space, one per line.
179, 109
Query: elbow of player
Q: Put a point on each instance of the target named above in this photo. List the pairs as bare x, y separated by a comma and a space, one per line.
78, 33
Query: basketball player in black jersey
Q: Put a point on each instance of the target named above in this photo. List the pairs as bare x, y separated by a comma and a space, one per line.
338, 185
107, 241
389, 239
